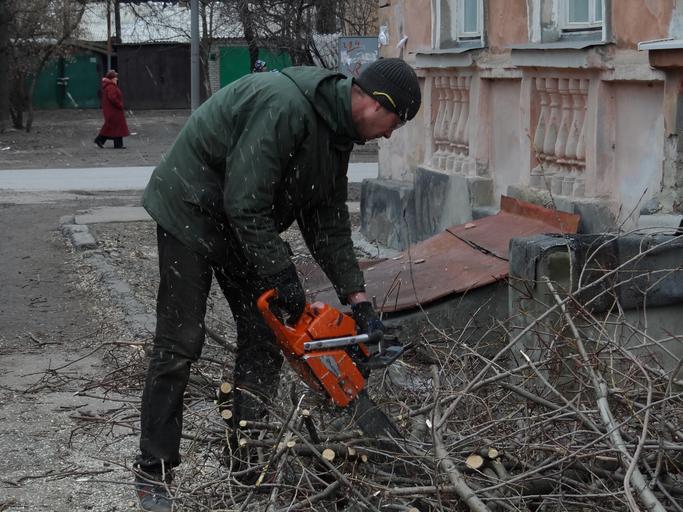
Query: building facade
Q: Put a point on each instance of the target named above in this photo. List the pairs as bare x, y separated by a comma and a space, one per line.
572, 104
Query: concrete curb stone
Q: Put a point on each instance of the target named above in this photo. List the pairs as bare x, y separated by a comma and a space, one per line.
79, 235
139, 321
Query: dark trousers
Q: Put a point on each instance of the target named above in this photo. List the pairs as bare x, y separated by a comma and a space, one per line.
101, 139
181, 305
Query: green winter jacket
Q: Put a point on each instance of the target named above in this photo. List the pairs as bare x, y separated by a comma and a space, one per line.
262, 152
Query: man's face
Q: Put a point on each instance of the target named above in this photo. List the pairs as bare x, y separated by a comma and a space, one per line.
378, 122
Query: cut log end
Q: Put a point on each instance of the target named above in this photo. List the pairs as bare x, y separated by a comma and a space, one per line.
226, 414
328, 454
474, 461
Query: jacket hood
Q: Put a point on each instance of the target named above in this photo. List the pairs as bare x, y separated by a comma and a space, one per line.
329, 93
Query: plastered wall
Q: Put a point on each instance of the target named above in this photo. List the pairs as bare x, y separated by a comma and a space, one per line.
400, 155
501, 32
639, 132
641, 20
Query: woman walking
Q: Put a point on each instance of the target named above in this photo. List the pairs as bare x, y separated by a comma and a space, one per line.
115, 126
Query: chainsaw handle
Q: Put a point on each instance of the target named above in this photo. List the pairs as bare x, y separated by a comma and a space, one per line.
280, 329
375, 337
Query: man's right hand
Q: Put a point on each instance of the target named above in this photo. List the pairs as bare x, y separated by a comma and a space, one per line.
366, 318
291, 298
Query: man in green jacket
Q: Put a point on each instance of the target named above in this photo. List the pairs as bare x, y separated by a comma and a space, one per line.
261, 153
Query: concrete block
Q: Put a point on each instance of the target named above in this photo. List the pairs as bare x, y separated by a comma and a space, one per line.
664, 224
561, 203
399, 213
388, 212
442, 200
530, 195
66, 219
83, 240
471, 318
479, 212
532, 259
431, 195
650, 268
79, 236
642, 273
103, 214
597, 215
69, 229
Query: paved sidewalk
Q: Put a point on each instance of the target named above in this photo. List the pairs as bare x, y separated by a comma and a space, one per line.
114, 178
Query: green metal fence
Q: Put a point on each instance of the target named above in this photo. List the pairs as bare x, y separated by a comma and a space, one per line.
71, 82
235, 63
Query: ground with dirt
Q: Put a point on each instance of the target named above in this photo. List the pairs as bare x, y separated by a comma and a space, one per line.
73, 327
54, 338
64, 138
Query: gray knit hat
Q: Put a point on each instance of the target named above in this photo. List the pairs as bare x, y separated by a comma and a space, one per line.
393, 83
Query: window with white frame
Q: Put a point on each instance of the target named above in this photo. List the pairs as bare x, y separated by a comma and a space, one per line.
581, 15
555, 20
469, 19
457, 22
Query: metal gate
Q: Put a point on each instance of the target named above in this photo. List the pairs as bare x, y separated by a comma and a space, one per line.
154, 76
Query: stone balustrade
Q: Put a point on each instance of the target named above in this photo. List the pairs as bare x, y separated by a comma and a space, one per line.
450, 133
559, 137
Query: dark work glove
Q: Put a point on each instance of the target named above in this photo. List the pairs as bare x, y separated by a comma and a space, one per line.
366, 318
290, 294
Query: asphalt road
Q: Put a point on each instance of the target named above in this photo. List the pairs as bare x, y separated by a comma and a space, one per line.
114, 178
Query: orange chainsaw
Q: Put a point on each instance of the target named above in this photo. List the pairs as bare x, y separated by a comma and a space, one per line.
324, 348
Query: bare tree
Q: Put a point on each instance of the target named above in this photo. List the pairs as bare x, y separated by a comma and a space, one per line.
5, 21
247, 21
358, 17
327, 19
299, 27
38, 31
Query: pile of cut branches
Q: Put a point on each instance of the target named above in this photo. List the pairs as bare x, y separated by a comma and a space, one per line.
556, 414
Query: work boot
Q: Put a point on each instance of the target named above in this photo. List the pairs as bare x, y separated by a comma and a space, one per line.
153, 493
